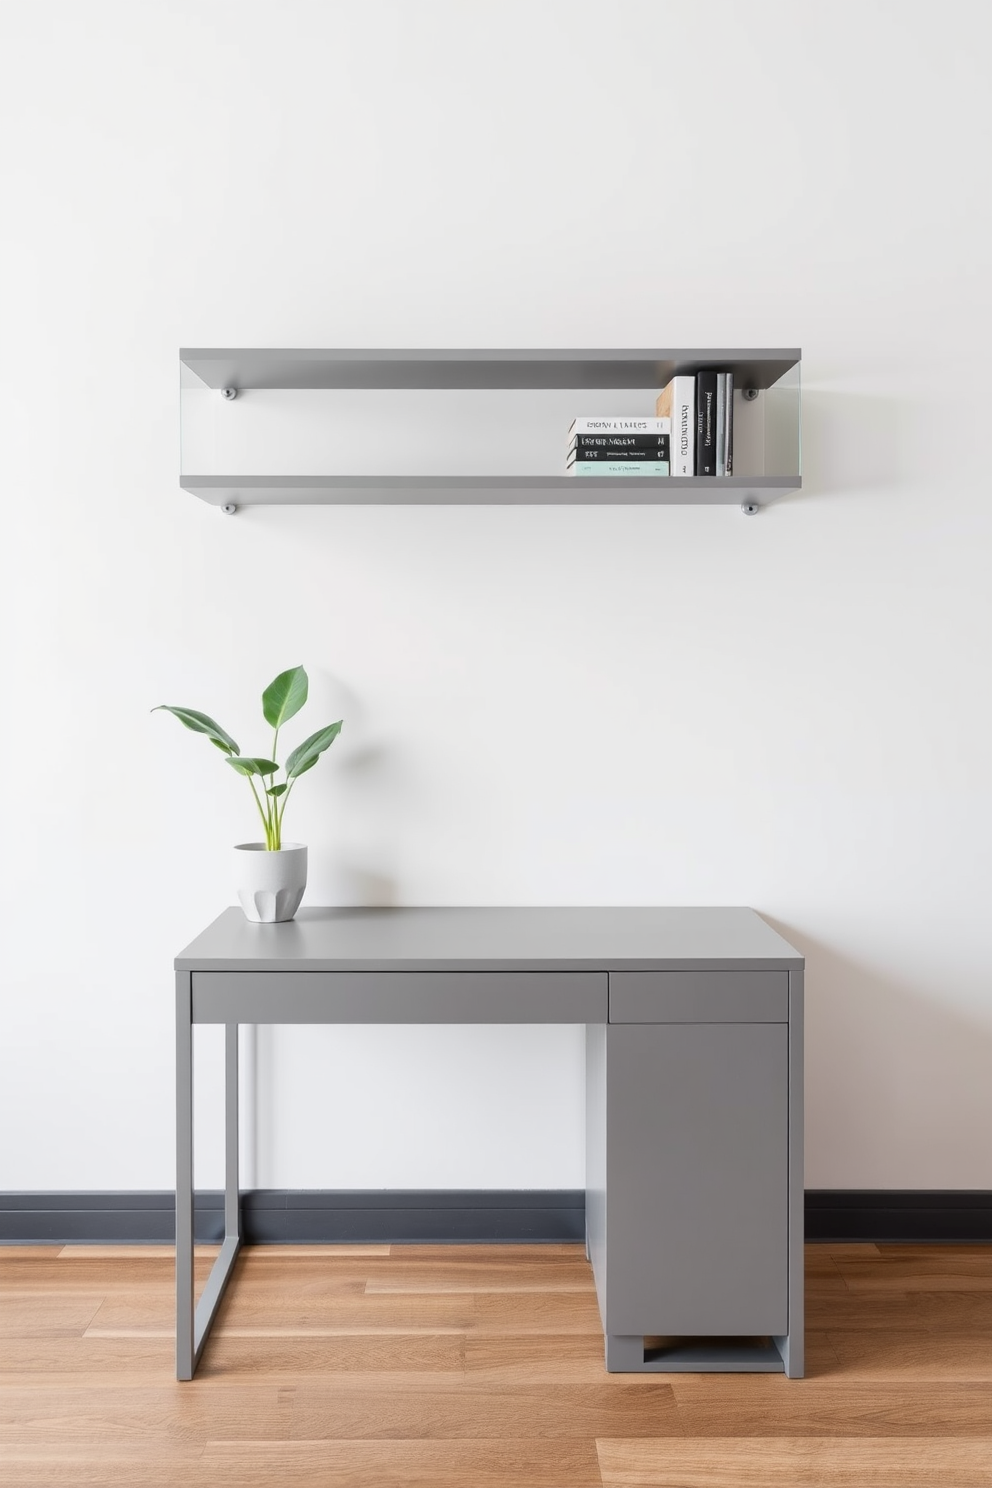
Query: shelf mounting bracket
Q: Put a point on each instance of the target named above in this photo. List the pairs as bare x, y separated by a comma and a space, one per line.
749, 508
229, 394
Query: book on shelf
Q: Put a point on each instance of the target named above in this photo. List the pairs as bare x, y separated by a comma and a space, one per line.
677, 402
701, 408
728, 426
619, 442
706, 423
724, 423
640, 451
611, 425
621, 457
608, 468
719, 431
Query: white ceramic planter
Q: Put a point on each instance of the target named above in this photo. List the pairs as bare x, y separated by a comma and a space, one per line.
270, 884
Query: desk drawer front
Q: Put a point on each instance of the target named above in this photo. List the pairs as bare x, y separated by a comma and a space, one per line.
699, 997
399, 997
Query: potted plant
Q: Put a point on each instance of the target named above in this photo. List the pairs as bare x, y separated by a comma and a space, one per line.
271, 875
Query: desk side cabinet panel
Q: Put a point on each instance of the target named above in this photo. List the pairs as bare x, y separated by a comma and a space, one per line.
698, 1169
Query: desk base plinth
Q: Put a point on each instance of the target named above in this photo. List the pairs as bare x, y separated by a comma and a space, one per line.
631, 1354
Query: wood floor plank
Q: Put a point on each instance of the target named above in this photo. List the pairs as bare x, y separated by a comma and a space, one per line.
289, 1311
505, 1463
839, 1248
165, 1413
475, 1286
533, 1255
551, 1313
355, 1408
926, 1354
104, 1465
934, 1254
10, 1253
820, 1262
443, 1413
333, 1355
259, 1355
76, 1255
277, 1254
768, 1462
865, 1312
107, 1272
488, 1264
770, 1405
29, 1312
571, 1270
917, 1270
63, 1360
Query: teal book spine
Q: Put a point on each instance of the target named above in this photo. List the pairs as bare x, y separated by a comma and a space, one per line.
603, 468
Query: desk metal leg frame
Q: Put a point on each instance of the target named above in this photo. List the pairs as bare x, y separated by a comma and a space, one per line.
193, 1323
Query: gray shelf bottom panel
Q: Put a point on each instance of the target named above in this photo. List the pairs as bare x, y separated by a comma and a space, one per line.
489, 490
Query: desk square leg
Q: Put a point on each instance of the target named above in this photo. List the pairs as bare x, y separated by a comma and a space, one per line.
184, 1176
193, 1321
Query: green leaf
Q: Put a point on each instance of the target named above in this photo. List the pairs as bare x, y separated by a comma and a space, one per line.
285, 696
306, 755
201, 724
247, 766
276, 790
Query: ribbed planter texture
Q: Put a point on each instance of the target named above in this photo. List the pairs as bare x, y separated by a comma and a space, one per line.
270, 885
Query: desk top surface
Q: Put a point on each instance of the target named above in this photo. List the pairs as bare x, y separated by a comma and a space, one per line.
493, 939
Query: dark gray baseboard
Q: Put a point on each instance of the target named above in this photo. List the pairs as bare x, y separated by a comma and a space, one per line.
894, 1215
296, 1216
438, 1216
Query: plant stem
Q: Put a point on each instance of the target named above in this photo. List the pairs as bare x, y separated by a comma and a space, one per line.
274, 816
285, 798
261, 813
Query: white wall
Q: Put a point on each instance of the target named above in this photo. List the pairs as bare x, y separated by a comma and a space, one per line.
544, 706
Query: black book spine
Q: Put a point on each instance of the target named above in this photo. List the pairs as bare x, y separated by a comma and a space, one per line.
619, 442
730, 424
706, 423
657, 452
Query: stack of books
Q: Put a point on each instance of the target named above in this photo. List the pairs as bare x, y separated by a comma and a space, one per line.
619, 446
701, 410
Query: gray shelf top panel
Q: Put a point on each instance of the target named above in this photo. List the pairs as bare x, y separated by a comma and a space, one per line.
274, 368
494, 490
484, 939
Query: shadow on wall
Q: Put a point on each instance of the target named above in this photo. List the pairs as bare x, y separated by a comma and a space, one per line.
858, 442
364, 775
897, 1080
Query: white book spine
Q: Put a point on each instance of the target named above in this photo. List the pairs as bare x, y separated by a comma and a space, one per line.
621, 425
684, 426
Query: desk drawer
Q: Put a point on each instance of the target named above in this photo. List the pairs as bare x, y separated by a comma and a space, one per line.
699, 997
400, 996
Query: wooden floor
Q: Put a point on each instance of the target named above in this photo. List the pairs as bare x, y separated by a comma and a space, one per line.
478, 1367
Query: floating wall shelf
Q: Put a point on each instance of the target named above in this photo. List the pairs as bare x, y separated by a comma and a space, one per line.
500, 398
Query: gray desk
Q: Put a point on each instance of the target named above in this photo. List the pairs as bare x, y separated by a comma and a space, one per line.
694, 1077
